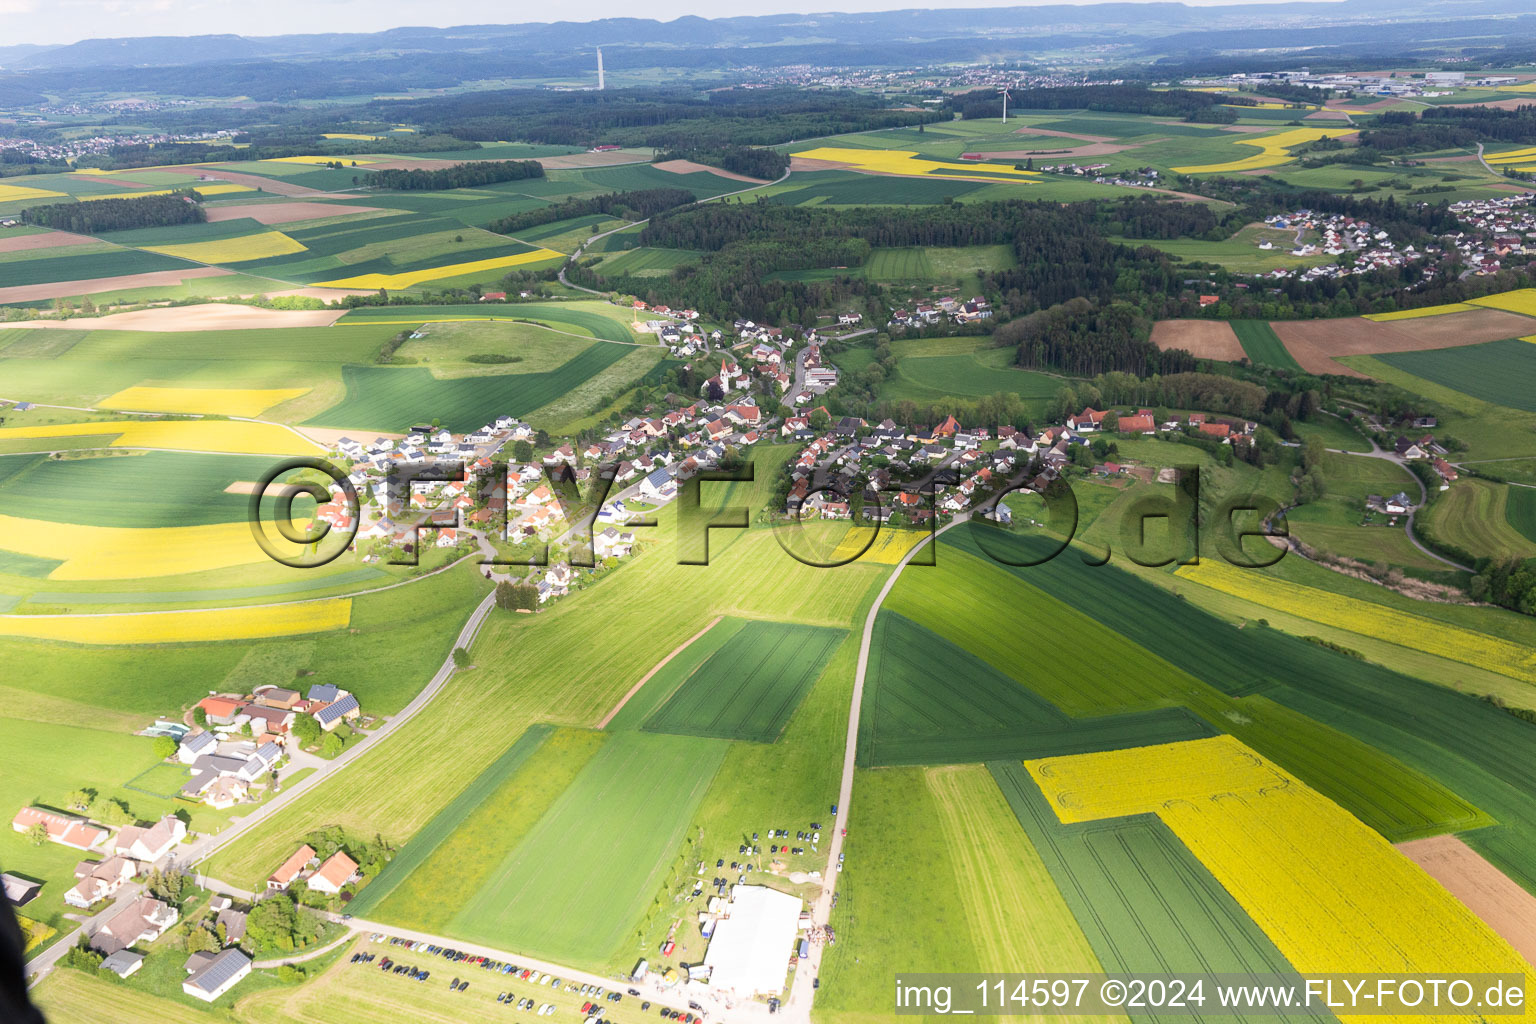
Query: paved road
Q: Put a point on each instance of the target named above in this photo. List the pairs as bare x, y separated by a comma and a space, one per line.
1378, 452
802, 994
799, 385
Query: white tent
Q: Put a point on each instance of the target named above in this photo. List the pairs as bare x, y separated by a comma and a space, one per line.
749, 953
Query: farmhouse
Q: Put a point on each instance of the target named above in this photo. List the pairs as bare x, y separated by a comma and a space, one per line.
142, 920
221, 710
64, 829
751, 942
334, 874
210, 975
98, 880
283, 877
195, 745
149, 846
335, 713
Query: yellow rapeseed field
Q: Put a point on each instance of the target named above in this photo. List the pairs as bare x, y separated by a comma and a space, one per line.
1513, 156
207, 190
322, 160
1521, 300
227, 437
889, 547
1334, 896
11, 193
260, 246
210, 401
904, 161
351, 135
1273, 149
184, 627
123, 553
1414, 314
1367, 619
414, 277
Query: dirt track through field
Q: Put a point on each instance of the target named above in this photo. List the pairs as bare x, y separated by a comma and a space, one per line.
1053, 133
330, 435
1091, 149
94, 286
276, 186
46, 240
603, 723
690, 167
554, 163
283, 213
1204, 339
1316, 343
1489, 893
213, 316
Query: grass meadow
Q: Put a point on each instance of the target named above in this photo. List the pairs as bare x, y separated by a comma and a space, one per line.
1475, 516
749, 688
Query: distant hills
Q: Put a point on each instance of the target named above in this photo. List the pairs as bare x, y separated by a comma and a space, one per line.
282, 67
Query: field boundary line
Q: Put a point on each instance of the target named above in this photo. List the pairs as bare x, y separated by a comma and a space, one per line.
679, 649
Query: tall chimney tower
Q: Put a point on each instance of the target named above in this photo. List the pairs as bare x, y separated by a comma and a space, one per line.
599, 69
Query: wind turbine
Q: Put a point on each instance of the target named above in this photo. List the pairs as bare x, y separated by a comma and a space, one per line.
1005, 104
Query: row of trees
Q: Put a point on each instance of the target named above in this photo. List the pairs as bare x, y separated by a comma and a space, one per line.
676, 118
305, 142
1127, 99
117, 214
485, 172
637, 204
752, 161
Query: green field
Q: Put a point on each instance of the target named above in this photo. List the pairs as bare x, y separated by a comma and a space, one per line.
1477, 517
481, 710
1417, 727
940, 874
48, 266
929, 701
1240, 253
446, 822
1501, 372
447, 347
574, 887
928, 378
849, 188
748, 689
1143, 900
453, 874
1520, 511
153, 489
1120, 664
648, 262
392, 399
629, 177
1262, 345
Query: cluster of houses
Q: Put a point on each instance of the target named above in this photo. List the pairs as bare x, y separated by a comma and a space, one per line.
1426, 447
131, 851
898, 462
1371, 247
957, 311
330, 876
134, 851
1498, 229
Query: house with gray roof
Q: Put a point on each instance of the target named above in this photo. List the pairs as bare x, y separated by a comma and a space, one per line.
332, 715
210, 975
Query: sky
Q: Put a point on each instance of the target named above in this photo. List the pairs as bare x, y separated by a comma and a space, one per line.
67, 21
